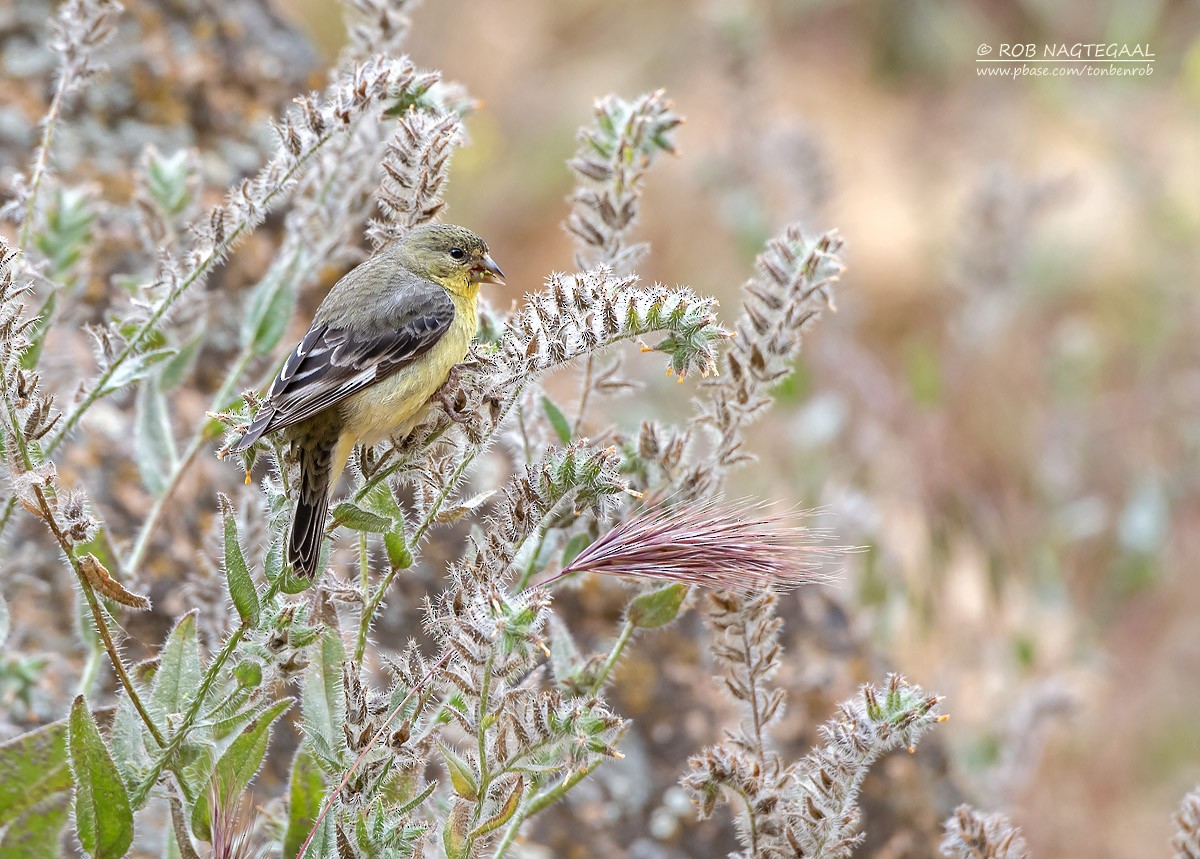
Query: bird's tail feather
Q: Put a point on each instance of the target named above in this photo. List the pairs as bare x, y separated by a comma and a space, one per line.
308, 523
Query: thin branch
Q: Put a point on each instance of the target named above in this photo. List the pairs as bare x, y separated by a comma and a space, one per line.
97, 615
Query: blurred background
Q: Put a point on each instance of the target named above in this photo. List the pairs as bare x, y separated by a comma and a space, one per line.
1004, 413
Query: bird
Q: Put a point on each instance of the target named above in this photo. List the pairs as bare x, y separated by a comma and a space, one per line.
381, 344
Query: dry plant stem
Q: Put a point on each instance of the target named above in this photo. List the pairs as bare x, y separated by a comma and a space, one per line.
179, 825
49, 121
584, 394
755, 710
139, 793
98, 617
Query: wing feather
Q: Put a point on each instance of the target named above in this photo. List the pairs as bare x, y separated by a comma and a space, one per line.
331, 363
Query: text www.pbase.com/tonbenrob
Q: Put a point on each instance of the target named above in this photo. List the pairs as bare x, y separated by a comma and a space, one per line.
1064, 71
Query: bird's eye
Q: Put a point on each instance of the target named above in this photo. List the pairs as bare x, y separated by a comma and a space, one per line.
457, 253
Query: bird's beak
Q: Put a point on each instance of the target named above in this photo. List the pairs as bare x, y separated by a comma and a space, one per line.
486, 271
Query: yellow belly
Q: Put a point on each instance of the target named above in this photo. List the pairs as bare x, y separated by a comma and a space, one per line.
394, 406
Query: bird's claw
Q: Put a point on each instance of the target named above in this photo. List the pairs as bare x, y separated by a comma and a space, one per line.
449, 396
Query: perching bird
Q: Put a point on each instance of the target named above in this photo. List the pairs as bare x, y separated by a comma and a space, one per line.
383, 341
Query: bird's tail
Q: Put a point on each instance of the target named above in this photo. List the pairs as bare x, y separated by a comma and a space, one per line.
308, 523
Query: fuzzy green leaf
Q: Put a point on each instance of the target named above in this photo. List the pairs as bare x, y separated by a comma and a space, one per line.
305, 793
237, 573
357, 519
134, 369
179, 673
461, 776
154, 444
399, 555
322, 697
176, 368
269, 311
379, 499
507, 810
454, 833
37, 832
574, 546
237, 767
103, 817
658, 607
33, 766
248, 674
557, 420
167, 181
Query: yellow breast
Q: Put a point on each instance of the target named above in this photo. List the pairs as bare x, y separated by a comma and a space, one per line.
394, 406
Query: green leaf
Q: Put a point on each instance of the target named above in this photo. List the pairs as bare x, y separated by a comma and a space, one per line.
574, 546
153, 442
506, 811
33, 766
399, 555
37, 832
379, 499
167, 181
237, 574
557, 420
134, 369
103, 818
176, 368
126, 739
248, 673
273, 561
461, 776
357, 519
454, 833
322, 699
237, 767
179, 673
657, 608
270, 309
305, 793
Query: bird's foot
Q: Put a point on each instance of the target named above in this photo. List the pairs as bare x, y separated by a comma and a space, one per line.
451, 397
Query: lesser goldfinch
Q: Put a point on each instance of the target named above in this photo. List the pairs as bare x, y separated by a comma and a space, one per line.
381, 344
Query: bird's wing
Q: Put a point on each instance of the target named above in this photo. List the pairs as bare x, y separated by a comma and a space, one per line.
332, 362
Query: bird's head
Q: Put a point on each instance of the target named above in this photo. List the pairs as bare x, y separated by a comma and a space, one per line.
451, 256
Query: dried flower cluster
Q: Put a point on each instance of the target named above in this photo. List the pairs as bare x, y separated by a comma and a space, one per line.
79, 30
971, 835
611, 164
808, 808
1186, 840
791, 287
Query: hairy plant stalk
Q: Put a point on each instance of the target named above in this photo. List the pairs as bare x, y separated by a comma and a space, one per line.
167, 756
81, 27
97, 611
